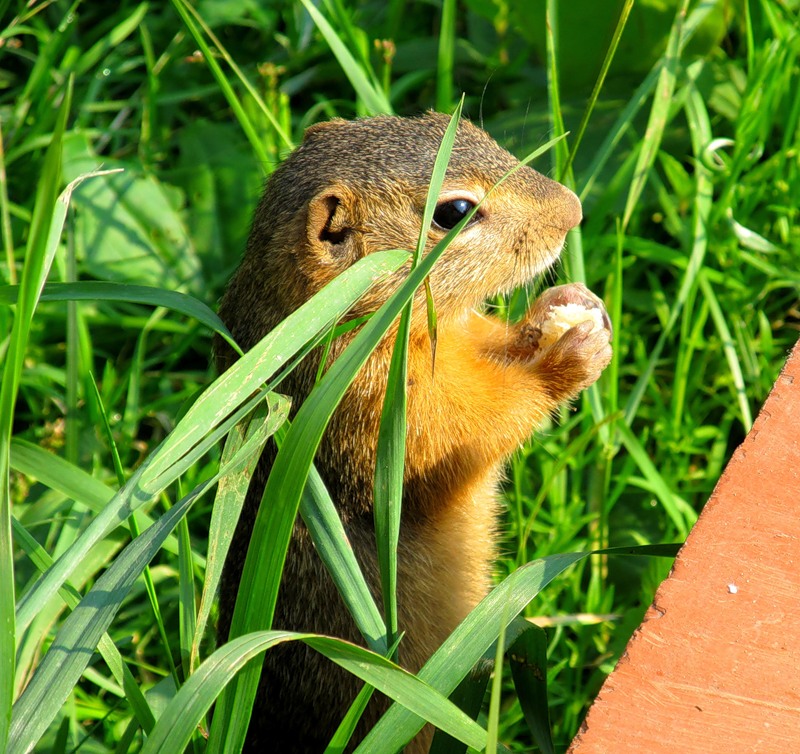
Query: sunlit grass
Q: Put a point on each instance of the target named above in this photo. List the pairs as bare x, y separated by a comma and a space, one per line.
689, 174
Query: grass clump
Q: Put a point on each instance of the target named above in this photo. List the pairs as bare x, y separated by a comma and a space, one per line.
687, 158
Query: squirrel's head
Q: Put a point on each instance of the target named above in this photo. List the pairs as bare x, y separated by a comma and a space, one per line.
355, 187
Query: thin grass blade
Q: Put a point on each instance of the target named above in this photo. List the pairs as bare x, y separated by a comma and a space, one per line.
388, 489
626, 117
658, 114
598, 85
372, 96
228, 502
347, 727
446, 56
729, 348
187, 9
700, 132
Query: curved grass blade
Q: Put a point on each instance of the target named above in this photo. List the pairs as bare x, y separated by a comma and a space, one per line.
106, 647
134, 294
466, 645
177, 722
58, 474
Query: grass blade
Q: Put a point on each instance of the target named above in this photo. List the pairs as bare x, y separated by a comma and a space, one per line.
700, 131
598, 85
658, 114
391, 448
528, 660
256, 142
445, 56
185, 9
729, 348
106, 647
48, 218
466, 645
329, 537
679, 511
626, 117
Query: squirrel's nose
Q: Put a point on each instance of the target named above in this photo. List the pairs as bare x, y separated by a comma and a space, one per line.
572, 212
566, 211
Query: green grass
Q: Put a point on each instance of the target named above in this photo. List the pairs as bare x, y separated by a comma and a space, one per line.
683, 141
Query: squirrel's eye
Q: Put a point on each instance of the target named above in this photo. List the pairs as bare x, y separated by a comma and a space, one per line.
448, 214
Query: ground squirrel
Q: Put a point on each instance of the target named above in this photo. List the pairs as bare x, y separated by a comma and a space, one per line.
351, 188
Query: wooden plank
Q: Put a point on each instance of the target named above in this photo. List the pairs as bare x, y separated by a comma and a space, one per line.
715, 665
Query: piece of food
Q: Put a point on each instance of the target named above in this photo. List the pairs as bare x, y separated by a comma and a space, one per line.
562, 318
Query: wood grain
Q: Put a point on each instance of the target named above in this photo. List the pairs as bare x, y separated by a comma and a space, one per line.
715, 666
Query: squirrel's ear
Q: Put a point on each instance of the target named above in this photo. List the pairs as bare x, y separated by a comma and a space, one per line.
330, 224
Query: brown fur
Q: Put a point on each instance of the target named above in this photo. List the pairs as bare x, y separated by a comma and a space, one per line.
353, 188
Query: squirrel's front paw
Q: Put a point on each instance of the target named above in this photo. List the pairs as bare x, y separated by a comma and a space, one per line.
572, 338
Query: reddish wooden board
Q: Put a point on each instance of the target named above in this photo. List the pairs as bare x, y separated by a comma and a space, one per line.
715, 666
